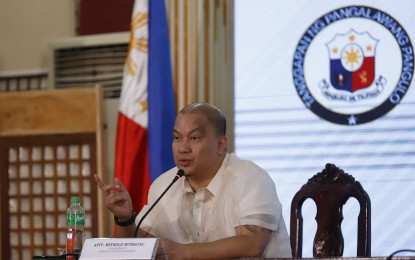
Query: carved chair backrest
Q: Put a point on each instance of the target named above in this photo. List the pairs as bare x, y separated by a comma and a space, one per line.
330, 189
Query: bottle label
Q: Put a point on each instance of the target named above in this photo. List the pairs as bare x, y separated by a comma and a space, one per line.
75, 219
70, 244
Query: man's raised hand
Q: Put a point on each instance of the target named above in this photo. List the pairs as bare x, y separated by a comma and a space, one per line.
117, 199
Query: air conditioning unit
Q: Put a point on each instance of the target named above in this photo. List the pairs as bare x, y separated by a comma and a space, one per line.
89, 60
84, 61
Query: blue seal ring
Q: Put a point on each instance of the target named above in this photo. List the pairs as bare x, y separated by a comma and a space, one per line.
398, 93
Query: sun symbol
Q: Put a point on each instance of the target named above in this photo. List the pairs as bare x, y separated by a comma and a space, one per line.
352, 57
138, 40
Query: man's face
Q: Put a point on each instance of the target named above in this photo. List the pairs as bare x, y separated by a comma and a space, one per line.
196, 146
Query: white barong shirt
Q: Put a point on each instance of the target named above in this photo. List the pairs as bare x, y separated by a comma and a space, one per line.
241, 193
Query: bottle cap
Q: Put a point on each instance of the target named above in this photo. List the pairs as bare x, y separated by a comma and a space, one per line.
76, 200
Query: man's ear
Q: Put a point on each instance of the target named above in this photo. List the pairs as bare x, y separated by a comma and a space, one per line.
223, 141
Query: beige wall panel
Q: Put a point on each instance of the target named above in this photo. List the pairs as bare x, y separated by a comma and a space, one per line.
26, 28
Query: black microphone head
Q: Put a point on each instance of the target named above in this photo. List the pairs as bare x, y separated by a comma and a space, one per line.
180, 173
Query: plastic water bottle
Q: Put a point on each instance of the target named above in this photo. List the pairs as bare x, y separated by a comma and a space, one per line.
75, 221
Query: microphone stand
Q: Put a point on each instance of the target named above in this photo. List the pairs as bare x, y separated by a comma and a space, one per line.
179, 174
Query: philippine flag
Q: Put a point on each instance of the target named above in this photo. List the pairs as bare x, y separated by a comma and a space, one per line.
147, 106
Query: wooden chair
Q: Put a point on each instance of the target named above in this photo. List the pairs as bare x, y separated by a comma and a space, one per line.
330, 189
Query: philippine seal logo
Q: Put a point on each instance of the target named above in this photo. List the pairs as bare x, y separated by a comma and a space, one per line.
348, 70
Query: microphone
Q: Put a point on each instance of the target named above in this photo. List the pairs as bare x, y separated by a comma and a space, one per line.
179, 174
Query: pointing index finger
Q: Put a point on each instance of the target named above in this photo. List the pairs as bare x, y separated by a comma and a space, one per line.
100, 183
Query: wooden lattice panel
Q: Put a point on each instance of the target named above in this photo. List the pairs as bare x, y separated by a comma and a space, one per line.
42, 178
51, 143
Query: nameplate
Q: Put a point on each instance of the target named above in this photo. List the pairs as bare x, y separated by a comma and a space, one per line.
119, 248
